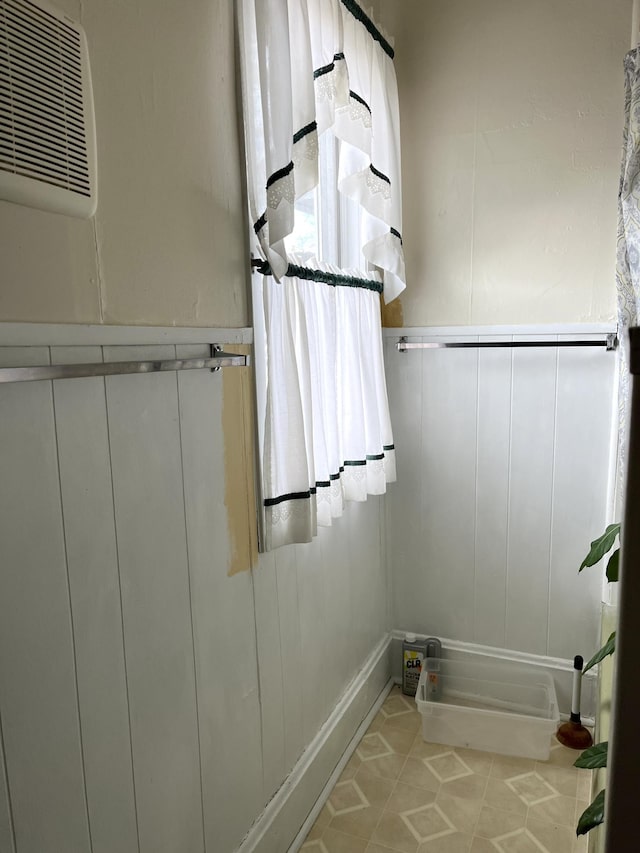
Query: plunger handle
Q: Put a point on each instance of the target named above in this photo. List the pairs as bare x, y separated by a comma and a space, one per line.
578, 663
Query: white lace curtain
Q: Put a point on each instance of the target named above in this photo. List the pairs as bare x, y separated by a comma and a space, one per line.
311, 66
628, 256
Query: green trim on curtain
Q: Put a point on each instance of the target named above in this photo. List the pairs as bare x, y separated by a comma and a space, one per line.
379, 174
371, 28
325, 484
281, 173
333, 279
322, 277
326, 69
356, 97
304, 131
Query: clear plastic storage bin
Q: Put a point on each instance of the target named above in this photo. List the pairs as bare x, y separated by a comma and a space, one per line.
499, 707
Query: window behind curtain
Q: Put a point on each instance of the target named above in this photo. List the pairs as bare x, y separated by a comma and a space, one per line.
327, 223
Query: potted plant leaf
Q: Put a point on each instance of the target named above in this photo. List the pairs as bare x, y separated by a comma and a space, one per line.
596, 756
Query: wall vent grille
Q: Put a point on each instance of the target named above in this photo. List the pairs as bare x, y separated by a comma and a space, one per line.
47, 137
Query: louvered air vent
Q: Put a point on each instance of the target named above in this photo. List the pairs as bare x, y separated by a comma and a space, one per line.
47, 129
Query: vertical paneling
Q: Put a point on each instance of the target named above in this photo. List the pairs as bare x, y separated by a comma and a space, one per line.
313, 629
150, 522
6, 818
367, 568
292, 661
341, 595
583, 429
493, 441
403, 516
530, 493
446, 565
500, 489
223, 622
148, 701
85, 479
267, 610
320, 609
38, 698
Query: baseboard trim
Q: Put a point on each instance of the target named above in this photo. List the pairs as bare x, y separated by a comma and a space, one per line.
296, 804
351, 748
561, 670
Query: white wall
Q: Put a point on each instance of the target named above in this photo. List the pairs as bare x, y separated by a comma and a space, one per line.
168, 245
511, 125
503, 470
146, 697
148, 700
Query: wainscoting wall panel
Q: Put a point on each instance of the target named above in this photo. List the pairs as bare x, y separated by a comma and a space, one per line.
38, 694
503, 461
94, 586
149, 701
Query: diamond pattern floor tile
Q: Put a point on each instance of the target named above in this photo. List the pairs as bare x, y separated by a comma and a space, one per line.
373, 746
316, 846
428, 823
396, 705
448, 767
347, 797
520, 841
399, 794
532, 789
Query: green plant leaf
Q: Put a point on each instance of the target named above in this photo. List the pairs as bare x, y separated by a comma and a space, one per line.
594, 757
592, 816
613, 566
599, 547
608, 649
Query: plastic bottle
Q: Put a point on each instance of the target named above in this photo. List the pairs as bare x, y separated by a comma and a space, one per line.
434, 653
414, 652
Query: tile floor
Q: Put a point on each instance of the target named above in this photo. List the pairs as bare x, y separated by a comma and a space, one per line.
399, 794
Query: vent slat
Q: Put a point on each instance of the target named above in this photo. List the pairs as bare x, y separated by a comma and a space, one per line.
31, 74
44, 167
29, 10
44, 27
47, 128
20, 56
47, 55
43, 113
35, 135
21, 94
21, 91
14, 28
16, 34
55, 166
20, 52
46, 155
45, 178
26, 90
32, 125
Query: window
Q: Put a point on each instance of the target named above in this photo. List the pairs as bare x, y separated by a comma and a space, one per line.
320, 98
327, 223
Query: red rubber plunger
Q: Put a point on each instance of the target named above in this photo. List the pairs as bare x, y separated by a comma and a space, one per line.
573, 734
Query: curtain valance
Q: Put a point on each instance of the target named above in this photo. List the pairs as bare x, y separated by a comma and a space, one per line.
337, 65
